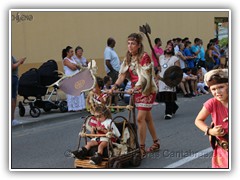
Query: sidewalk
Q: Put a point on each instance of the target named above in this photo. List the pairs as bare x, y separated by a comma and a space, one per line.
53, 115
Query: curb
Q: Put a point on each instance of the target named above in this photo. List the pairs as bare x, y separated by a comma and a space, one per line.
50, 118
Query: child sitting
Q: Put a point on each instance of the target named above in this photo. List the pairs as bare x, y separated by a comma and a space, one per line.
201, 85
96, 96
101, 124
112, 100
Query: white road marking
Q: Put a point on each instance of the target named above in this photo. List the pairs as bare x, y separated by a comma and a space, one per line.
188, 159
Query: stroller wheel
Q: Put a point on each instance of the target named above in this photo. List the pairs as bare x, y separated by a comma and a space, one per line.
35, 112
63, 106
21, 109
47, 107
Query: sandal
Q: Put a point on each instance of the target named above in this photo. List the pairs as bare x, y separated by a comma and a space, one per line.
155, 147
143, 151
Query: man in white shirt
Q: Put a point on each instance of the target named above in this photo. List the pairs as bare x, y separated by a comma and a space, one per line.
112, 62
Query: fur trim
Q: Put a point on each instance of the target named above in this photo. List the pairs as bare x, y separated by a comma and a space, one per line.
146, 81
124, 67
221, 76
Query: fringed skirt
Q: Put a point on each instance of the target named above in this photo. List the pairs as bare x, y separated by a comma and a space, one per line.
144, 102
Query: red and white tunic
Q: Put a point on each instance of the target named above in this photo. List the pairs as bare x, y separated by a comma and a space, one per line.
142, 102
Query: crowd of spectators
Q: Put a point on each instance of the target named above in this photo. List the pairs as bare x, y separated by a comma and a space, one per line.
195, 61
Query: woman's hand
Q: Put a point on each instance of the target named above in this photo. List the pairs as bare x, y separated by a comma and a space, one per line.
130, 91
110, 91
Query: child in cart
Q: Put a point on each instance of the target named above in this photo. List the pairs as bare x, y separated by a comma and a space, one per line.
101, 123
96, 96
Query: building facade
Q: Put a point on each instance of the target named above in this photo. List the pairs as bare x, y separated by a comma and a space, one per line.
41, 35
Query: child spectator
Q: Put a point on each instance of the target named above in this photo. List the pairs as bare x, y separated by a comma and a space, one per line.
194, 81
201, 84
184, 85
191, 79
113, 99
127, 96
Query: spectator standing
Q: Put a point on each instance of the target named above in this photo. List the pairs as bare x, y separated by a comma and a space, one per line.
184, 40
112, 62
78, 57
181, 56
158, 51
216, 51
210, 61
202, 60
15, 65
176, 43
189, 55
71, 67
196, 50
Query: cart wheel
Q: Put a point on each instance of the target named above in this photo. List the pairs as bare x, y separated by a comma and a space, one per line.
136, 160
21, 109
117, 165
35, 112
47, 106
63, 106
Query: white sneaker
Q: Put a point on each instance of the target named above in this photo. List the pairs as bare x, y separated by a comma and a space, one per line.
16, 122
168, 116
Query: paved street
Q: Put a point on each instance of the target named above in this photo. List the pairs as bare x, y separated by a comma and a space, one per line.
41, 142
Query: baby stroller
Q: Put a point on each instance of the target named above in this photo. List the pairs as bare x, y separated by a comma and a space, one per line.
35, 83
126, 150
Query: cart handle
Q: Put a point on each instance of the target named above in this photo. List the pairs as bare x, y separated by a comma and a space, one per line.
108, 135
128, 107
121, 92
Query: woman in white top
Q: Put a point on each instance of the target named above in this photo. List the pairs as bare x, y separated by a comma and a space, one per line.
82, 61
71, 67
79, 58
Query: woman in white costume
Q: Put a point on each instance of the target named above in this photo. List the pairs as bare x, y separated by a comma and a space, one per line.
71, 67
